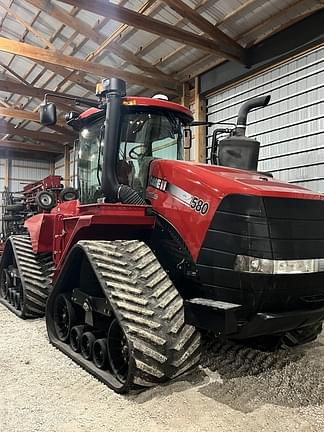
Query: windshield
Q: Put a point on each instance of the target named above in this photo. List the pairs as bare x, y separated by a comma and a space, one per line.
88, 164
145, 135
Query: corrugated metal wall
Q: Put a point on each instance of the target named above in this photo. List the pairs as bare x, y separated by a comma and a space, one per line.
59, 168
291, 128
22, 172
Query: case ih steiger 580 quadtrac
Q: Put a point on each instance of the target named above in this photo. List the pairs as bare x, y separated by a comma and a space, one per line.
158, 249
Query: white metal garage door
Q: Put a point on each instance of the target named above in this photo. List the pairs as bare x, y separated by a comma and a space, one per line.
291, 128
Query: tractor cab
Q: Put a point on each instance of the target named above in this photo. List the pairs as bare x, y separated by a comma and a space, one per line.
149, 129
118, 138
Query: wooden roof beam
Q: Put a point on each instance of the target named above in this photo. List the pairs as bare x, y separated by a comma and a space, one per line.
86, 30
23, 115
42, 146
10, 129
27, 26
151, 25
100, 50
56, 58
13, 73
227, 44
27, 90
60, 127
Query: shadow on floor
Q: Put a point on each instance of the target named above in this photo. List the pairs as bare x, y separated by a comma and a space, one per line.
245, 378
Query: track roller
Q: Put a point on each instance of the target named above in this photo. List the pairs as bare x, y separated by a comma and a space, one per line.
100, 355
10, 292
136, 335
75, 337
87, 341
25, 278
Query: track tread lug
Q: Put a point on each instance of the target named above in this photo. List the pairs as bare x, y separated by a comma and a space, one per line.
35, 273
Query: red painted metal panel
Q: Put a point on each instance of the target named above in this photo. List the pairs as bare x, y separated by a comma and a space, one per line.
210, 184
41, 230
146, 102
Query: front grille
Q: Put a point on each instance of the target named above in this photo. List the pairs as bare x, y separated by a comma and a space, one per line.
265, 227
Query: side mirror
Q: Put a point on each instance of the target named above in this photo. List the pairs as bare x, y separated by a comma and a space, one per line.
47, 114
187, 133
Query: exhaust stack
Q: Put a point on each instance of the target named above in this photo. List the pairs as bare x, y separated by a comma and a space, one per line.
238, 150
258, 102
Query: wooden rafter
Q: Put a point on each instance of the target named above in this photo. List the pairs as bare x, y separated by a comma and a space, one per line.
27, 90
42, 147
111, 39
23, 115
151, 25
27, 26
266, 27
13, 73
9, 129
57, 58
247, 4
172, 56
227, 44
85, 29
149, 7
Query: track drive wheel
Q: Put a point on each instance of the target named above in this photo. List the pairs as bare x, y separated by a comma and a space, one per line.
64, 317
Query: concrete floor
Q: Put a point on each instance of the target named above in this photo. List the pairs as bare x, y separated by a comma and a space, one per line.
236, 389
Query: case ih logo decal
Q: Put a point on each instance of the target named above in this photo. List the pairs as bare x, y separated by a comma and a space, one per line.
158, 183
179, 194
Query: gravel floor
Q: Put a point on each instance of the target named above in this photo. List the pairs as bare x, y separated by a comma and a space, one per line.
236, 389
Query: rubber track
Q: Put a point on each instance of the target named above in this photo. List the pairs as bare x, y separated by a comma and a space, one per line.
148, 307
36, 272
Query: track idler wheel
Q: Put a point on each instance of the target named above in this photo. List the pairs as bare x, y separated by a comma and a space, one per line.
75, 337
64, 317
87, 341
118, 351
100, 353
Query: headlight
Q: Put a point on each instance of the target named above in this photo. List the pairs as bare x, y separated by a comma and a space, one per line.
267, 266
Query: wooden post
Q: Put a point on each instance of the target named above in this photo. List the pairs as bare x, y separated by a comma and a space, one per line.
185, 101
200, 115
6, 172
52, 167
66, 166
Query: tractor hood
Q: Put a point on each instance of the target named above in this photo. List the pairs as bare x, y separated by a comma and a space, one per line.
187, 195
224, 180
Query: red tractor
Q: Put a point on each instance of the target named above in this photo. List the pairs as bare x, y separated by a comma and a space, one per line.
158, 249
